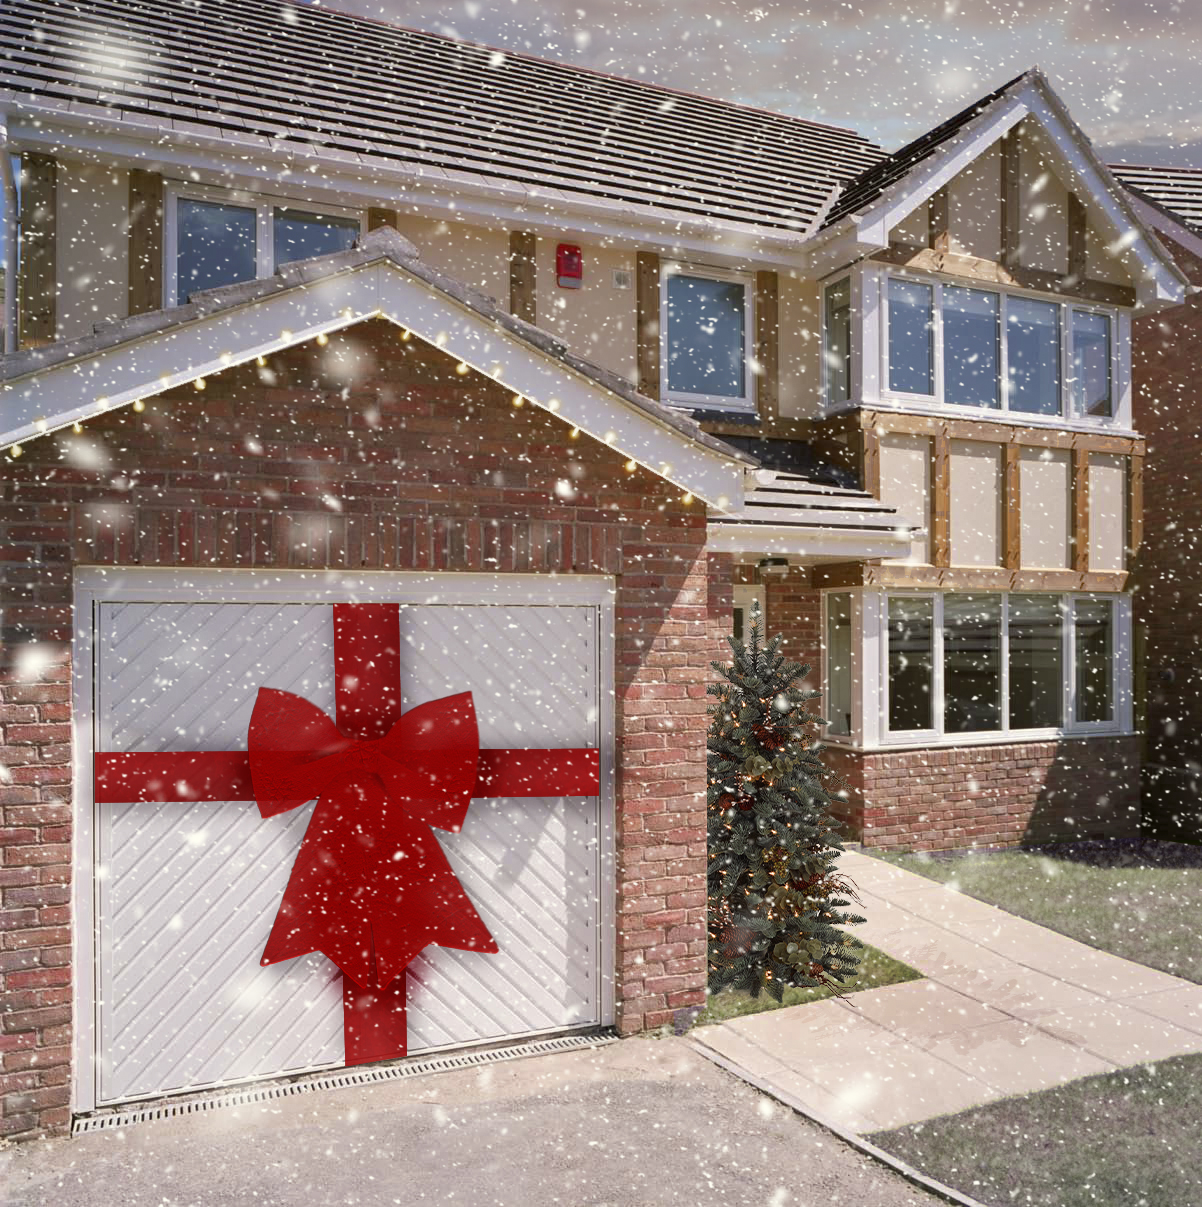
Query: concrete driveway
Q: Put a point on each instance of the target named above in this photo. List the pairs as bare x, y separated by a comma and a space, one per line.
640, 1123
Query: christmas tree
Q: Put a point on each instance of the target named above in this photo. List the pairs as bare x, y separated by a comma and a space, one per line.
775, 899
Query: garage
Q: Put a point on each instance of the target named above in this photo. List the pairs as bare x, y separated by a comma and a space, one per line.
180, 895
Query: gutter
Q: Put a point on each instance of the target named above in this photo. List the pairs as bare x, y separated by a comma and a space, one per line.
9, 183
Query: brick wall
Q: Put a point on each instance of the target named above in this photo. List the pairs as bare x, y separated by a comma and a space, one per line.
1167, 368
991, 796
368, 453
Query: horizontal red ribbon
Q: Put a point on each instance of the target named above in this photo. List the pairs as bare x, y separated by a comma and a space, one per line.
220, 775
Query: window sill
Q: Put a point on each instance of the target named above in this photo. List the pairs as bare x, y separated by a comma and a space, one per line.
1028, 738
715, 415
1109, 426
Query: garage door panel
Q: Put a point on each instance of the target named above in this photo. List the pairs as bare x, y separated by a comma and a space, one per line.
187, 893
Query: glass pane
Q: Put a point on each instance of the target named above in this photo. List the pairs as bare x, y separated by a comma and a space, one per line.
738, 624
299, 235
215, 245
1033, 355
911, 337
837, 348
706, 337
971, 348
1091, 363
911, 663
1036, 662
838, 665
972, 663
1094, 646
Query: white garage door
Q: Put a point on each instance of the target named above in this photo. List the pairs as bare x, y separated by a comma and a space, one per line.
186, 892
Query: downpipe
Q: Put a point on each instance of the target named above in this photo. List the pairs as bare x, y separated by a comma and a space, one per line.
8, 182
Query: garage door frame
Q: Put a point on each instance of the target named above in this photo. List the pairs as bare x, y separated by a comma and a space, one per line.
94, 585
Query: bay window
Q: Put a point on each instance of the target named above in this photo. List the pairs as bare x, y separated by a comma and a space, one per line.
215, 238
837, 705
705, 339
989, 349
958, 666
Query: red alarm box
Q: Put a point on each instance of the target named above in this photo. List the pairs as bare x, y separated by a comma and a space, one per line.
569, 266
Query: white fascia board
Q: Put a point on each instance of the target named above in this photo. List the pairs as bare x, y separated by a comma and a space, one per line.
1158, 282
264, 165
75, 391
791, 541
925, 179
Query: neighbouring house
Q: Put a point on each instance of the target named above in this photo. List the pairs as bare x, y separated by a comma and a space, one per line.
391, 368
1165, 353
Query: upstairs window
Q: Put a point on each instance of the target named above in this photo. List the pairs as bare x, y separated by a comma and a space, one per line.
706, 328
836, 340
214, 239
991, 349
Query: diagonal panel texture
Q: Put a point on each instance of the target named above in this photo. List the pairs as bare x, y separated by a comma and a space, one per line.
187, 893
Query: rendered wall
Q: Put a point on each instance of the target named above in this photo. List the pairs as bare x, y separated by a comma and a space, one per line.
93, 250
1046, 486
906, 485
976, 503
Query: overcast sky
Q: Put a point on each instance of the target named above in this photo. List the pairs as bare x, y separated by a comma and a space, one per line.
1130, 70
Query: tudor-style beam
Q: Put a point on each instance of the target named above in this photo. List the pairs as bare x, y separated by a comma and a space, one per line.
523, 248
378, 216
647, 323
941, 498
767, 345
938, 221
1078, 226
1012, 526
1080, 510
145, 289
1135, 509
1011, 199
38, 243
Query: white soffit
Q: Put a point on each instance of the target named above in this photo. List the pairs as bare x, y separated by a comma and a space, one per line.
60, 394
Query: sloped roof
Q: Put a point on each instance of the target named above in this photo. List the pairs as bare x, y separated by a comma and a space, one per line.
45, 389
1177, 191
312, 78
871, 183
806, 517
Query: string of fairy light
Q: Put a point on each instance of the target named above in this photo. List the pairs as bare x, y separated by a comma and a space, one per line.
199, 383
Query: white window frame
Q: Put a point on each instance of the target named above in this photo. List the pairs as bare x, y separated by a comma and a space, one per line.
855, 654
1122, 721
872, 312
264, 206
746, 405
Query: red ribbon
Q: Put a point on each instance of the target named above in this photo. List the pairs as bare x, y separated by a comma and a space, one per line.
371, 886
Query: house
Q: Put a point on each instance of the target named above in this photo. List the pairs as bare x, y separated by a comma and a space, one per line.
1165, 369
269, 430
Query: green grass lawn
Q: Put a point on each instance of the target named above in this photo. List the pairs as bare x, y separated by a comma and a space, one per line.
1140, 899
1127, 1139
876, 969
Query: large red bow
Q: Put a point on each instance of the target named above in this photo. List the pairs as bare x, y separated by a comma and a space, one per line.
370, 886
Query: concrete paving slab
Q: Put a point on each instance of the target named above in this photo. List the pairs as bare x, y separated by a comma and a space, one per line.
1181, 1006
921, 1010
1015, 1057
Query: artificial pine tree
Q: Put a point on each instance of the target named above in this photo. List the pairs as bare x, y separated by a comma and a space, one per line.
775, 899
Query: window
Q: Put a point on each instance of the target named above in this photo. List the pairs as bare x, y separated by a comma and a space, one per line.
989, 664
991, 349
1091, 363
911, 663
836, 337
972, 663
216, 238
215, 245
705, 332
836, 707
1093, 644
972, 347
746, 595
911, 337
1033, 356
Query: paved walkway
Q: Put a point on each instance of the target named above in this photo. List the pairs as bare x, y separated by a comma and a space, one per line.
1006, 1008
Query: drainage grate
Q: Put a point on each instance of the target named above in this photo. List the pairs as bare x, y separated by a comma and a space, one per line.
111, 1119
